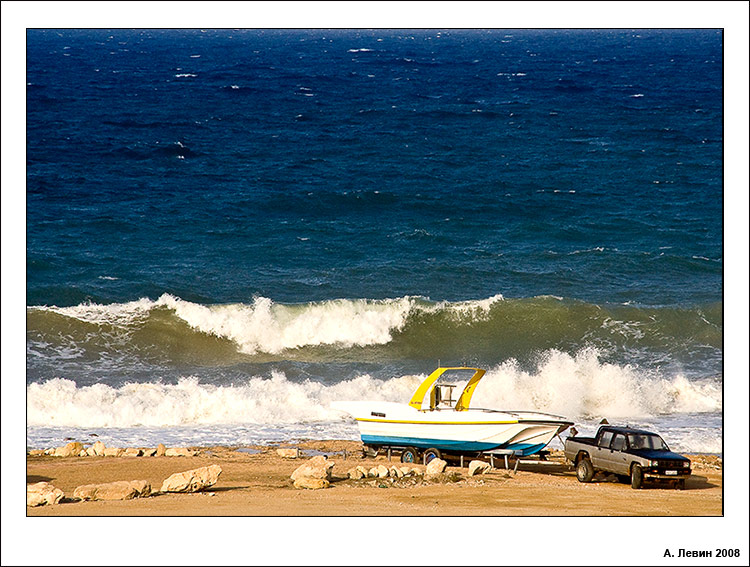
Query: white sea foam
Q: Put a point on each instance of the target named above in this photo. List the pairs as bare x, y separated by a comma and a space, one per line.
122, 314
578, 387
265, 326
582, 386
267, 401
469, 311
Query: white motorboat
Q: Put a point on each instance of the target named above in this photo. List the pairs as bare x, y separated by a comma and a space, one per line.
440, 423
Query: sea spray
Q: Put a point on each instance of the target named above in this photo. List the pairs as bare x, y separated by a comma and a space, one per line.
578, 387
257, 400
581, 386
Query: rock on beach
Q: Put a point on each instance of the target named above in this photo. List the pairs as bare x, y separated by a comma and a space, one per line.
478, 467
119, 490
72, 449
357, 473
178, 452
287, 453
435, 467
193, 480
42, 494
317, 467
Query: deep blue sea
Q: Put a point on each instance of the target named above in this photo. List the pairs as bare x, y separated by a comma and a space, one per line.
229, 229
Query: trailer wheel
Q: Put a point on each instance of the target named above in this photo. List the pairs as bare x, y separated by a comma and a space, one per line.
409, 455
584, 470
431, 454
636, 477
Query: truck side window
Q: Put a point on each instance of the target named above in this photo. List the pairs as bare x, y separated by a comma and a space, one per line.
619, 443
605, 439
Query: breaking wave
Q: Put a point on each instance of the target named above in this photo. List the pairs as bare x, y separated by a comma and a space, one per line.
578, 386
492, 329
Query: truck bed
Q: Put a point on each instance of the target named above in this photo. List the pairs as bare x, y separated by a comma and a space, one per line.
584, 440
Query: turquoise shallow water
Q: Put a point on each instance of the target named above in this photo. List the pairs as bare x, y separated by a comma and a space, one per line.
233, 228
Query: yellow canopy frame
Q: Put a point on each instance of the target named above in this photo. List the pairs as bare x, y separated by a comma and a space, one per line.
463, 400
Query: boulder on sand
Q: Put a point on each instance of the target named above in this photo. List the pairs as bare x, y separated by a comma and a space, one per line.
72, 449
160, 450
120, 490
317, 467
478, 467
193, 480
287, 453
435, 467
178, 452
357, 473
42, 494
98, 448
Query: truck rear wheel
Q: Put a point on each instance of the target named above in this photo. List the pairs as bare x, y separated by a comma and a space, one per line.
584, 470
636, 477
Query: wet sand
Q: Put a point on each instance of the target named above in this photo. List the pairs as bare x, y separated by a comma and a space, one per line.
259, 484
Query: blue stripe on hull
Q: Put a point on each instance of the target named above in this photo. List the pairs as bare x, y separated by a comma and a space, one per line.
449, 445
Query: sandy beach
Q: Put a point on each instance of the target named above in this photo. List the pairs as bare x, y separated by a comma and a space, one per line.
256, 482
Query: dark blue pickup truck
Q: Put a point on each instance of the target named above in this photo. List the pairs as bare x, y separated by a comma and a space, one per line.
629, 453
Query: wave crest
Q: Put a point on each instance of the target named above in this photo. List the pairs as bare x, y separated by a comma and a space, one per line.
490, 329
577, 386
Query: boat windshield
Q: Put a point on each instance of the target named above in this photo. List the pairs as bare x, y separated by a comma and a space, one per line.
643, 441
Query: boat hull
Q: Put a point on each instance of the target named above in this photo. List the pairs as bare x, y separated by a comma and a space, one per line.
395, 425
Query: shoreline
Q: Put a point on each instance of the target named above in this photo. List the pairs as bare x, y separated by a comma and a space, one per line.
255, 481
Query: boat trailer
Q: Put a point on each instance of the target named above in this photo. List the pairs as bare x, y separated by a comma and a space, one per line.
507, 456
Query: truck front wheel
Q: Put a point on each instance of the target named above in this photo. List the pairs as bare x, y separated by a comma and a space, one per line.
636, 477
584, 470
